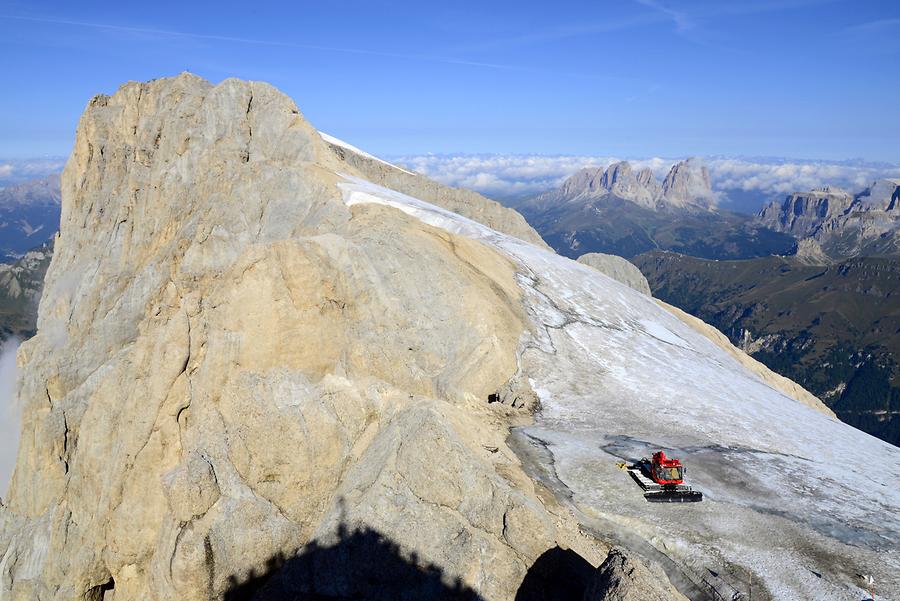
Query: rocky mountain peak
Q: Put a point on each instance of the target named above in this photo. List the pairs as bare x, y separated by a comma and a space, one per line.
801, 213
883, 194
843, 225
583, 182
617, 173
620, 179
688, 185
828, 191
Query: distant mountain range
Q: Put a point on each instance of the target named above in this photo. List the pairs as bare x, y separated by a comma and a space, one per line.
687, 186
21, 284
622, 212
29, 219
29, 216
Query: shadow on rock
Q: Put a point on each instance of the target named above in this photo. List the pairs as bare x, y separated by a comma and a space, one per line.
361, 564
557, 575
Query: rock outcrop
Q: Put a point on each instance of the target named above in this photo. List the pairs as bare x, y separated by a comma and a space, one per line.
688, 185
640, 188
618, 269
626, 578
234, 368
802, 213
843, 225
809, 252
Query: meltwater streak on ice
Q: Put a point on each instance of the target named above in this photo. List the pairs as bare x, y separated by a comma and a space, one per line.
610, 365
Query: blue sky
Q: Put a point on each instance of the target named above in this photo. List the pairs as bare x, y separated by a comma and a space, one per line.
805, 78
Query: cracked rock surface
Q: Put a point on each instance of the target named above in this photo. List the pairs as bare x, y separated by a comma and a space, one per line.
232, 365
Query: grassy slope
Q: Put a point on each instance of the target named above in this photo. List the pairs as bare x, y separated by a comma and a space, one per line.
619, 227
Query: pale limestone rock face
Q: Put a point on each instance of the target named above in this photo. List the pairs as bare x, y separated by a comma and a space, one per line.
688, 185
810, 252
802, 213
640, 188
191, 487
231, 365
619, 179
618, 269
623, 577
840, 225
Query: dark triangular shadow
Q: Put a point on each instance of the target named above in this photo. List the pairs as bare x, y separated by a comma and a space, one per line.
361, 564
557, 575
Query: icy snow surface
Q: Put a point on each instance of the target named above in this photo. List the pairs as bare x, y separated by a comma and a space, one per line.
793, 499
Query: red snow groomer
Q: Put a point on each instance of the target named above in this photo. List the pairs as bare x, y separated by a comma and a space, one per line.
663, 480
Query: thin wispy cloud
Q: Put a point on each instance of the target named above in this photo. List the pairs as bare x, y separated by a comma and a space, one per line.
296, 45
681, 20
871, 26
562, 32
686, 22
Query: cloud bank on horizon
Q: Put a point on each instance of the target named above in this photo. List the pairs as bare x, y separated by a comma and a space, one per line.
13, 171
511, 176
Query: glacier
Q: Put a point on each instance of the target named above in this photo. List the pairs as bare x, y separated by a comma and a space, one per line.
796, 502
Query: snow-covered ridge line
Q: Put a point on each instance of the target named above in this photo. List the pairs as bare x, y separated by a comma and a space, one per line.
338, 142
